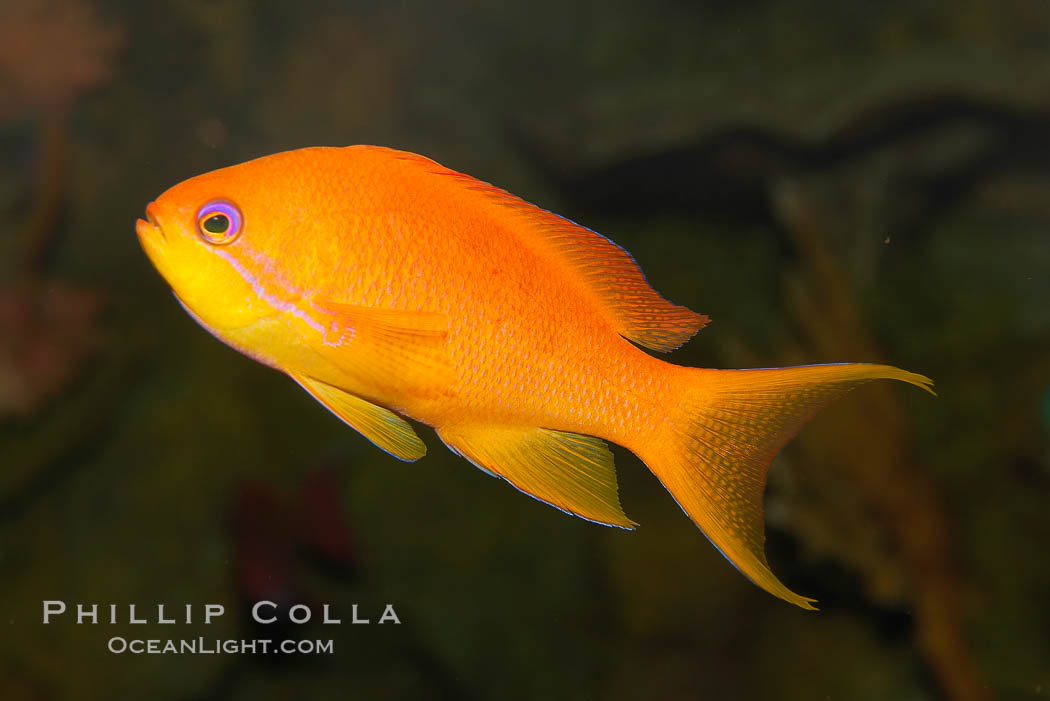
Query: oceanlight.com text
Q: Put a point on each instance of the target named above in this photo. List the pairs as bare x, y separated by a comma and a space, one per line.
214, 646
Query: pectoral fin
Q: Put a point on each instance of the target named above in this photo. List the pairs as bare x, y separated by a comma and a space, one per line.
571, 472
388, 347
381, 426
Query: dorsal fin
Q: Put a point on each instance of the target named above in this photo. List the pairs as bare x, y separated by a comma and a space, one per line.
607, 272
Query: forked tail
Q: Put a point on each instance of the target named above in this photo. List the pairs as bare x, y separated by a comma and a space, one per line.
727, 427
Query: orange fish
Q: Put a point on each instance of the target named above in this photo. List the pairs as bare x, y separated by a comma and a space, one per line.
389, 286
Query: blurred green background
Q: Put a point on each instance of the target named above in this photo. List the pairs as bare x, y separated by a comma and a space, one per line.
828, 181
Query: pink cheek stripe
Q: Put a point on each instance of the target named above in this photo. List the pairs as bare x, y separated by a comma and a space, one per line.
260, 289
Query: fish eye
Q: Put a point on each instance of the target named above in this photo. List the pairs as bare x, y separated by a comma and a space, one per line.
219, 222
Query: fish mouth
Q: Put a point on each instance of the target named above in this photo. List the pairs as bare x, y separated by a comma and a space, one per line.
149, 230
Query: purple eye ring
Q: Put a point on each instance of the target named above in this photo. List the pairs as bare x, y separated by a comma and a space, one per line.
219, 222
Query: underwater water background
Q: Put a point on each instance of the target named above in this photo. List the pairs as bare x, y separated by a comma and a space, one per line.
828, 181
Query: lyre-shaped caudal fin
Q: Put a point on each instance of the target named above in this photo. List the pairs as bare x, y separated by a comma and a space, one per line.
728, 425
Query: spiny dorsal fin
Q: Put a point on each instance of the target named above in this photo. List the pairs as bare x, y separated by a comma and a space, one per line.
571, 472
607, 272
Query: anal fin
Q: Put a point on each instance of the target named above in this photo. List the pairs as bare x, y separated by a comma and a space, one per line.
571, 472
381, 426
